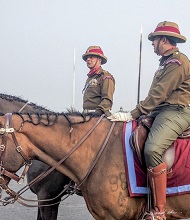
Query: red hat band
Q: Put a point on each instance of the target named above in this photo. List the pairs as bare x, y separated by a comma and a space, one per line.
95, 51
167, 28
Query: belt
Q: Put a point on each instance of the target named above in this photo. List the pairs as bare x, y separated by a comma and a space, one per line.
88, 110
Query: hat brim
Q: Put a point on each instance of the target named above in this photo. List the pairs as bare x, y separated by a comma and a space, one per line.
178, 38
104, 58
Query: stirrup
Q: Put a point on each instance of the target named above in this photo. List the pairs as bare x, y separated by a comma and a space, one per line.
148, 214
153, 216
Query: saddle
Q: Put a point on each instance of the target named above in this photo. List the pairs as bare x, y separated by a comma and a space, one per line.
139, 136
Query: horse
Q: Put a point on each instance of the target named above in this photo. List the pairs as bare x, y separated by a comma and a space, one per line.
44, 189
88, 149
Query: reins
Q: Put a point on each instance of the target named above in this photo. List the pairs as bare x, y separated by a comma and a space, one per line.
20, 198
99, 154
17, 196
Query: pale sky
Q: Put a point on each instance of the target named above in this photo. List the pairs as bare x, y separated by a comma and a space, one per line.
38, 37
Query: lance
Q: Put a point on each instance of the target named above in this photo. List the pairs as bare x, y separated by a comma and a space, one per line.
74, 67
139, 78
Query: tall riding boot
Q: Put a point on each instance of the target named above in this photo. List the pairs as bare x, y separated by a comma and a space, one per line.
157, 178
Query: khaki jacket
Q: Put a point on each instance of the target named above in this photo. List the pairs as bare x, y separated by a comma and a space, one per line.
171, 84
98, 92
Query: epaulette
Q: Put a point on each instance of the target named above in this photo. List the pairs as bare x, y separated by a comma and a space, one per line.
108, 77
174, 61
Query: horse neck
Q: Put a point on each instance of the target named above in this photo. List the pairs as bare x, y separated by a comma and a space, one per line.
7, 106
52, 143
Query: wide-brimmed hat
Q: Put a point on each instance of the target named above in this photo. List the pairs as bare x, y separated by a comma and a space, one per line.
170, 29
95, 51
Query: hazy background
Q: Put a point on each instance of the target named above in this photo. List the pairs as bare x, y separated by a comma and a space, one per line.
38, 37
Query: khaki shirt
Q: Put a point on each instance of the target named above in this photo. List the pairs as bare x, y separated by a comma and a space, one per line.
98, 92
171, 84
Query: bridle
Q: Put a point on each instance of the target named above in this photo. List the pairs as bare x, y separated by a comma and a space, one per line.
9, 129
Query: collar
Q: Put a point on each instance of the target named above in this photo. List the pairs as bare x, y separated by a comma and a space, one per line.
94, 71
169, 53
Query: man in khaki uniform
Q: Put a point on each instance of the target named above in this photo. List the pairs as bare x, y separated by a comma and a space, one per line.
100, 84
168, 101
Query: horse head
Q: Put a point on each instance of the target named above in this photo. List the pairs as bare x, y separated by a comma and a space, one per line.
9, 103
12, 155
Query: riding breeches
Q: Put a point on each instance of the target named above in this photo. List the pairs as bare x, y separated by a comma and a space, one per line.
169, 123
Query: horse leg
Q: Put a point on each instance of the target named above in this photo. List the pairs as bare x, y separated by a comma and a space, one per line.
47, 188
48, 211
39, 215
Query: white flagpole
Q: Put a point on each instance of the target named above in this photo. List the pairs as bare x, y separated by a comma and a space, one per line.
139, 78
74, 69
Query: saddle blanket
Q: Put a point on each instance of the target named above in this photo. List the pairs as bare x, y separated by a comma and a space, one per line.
136, 175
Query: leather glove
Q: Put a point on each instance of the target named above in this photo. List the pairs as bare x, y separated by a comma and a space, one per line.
121, 116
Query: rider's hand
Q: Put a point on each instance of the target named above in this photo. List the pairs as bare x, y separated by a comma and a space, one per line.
121, 116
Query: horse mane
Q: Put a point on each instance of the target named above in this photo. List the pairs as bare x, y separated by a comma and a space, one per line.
50, 118
44, 116
12, 98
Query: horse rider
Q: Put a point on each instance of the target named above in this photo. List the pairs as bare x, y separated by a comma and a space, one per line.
168, 102
100, 84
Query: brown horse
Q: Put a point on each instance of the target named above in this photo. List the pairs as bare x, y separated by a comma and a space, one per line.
91, 155
42, 188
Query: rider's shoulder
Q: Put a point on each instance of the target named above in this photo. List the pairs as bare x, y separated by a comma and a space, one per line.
107, 75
